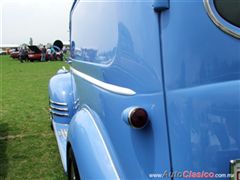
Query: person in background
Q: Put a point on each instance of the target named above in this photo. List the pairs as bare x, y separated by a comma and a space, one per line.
53, 53
60, 55
64, 49
25, 54
49, 54
21, 54
43, 55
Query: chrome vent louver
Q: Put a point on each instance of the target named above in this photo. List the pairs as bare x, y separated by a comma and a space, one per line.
58, 108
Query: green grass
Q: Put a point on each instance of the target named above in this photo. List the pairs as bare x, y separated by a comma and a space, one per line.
28, 148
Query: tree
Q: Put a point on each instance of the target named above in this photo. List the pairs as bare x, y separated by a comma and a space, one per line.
30, 41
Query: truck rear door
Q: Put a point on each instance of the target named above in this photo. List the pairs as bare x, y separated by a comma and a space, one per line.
201, 62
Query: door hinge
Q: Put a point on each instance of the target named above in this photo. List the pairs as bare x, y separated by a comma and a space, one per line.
160, 5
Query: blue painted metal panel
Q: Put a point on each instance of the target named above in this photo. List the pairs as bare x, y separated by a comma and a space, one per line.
90, 147
119, 45
134, 58
202, 72
196, 51
146, 150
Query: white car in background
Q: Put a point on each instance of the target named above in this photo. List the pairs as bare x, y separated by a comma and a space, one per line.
2, 52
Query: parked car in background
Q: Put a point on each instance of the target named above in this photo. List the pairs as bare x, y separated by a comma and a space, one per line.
14, 53
35, 54
153, 91
2, 52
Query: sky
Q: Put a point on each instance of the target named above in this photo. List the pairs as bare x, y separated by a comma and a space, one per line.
43, 20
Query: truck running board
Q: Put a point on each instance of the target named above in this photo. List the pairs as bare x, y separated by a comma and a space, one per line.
61, 131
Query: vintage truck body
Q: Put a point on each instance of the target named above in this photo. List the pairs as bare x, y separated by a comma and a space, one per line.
177, 61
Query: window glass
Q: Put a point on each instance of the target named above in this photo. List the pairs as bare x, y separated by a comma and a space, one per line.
229, 10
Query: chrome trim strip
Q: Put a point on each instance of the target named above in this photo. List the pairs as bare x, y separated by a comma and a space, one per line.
59, 109
76, 106
105, 146
107, 64
106, 86
67, 125
58, 103
58, 113
217, 22
77, 100
63, 133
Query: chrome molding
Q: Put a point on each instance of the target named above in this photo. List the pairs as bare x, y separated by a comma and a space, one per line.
77, 100
76, 106
57, 108
107, 64
217, 22
105, 146
76, 103
58, 103
106, 86
58, 113
63, 133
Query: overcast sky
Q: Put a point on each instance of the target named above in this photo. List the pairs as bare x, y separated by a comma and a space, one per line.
43, 20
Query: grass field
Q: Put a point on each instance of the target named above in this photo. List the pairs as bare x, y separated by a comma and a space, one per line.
28, 147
